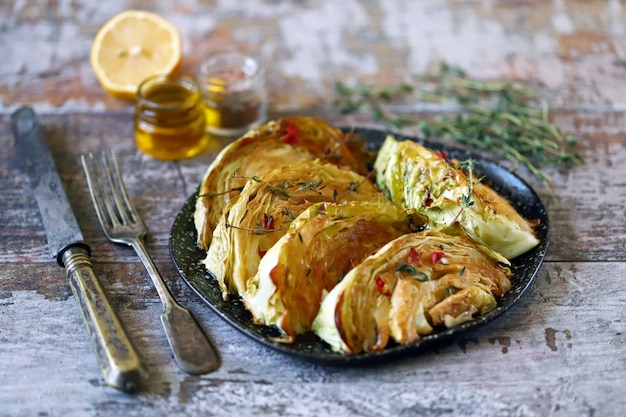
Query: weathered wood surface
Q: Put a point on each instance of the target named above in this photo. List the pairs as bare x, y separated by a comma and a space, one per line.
560, 351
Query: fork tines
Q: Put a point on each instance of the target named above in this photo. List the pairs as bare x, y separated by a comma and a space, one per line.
108, 191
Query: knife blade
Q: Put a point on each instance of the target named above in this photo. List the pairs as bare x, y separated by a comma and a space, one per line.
117, 357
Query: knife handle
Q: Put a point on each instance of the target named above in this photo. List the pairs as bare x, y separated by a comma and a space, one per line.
119, 362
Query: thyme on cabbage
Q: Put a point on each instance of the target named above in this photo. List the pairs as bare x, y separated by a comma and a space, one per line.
411, 270
510, 119
258, 230
283, 188
267, 224
467, 167
467, 200
450, 290
312, 186
290, 214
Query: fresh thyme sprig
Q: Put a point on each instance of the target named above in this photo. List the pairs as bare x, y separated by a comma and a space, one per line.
266, 225
258, 230
467, 167
467, 200
510, 119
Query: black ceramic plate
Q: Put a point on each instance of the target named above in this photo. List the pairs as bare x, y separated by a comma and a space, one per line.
187, 256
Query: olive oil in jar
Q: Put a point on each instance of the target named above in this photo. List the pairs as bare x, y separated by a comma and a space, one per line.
170, 118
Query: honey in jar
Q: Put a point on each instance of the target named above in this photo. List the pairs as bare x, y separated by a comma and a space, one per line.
234, 91
170, 118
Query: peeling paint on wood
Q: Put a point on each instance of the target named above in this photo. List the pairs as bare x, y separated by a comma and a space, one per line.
574, 48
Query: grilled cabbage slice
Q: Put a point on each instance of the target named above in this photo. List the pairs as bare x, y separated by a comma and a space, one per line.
322, 245
255, 219
409, 287
275, 144
416, 177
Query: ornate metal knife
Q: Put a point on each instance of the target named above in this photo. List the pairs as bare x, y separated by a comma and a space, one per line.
119, 362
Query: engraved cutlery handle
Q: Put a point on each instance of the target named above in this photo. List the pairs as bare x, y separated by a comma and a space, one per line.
119, 362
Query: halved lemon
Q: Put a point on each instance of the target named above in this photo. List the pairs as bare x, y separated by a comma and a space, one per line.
132, 46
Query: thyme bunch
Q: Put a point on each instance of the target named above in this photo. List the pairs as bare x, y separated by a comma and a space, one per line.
510, 119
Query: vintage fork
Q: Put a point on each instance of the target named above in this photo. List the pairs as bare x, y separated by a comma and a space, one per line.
122, 224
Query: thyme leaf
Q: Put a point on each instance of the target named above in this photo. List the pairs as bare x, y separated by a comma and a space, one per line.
450, 290
411, 270
283, 188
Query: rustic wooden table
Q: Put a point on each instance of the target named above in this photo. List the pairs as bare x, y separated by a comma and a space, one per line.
560, 351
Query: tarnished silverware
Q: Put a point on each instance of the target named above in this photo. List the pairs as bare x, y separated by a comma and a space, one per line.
192, 349
118, 359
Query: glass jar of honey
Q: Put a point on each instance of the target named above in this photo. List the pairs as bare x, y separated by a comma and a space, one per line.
234, 92
169, 117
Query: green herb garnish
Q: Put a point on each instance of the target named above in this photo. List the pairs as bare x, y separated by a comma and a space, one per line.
510, 119
411, 270
450, 290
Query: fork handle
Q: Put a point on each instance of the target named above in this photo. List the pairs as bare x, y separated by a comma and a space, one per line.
193, 350
119, 362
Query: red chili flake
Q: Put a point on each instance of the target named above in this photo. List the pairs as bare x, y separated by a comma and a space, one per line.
292, 135
268, 222
382, 287
436, 256
414, 255
261, 252
428, 201
443, 155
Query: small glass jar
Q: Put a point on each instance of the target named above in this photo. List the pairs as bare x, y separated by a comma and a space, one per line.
169, 117
234, 92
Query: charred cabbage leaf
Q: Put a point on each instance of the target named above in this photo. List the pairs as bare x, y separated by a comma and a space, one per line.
325, 242
272, 145
411, 286
416, 177
254, 220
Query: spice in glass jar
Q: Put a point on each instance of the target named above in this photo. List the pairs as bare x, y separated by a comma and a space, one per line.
234, 93
169, 117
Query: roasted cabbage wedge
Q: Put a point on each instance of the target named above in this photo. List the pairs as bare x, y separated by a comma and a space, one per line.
416, 177
414, 284
325, 242
272, 145
254, 220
